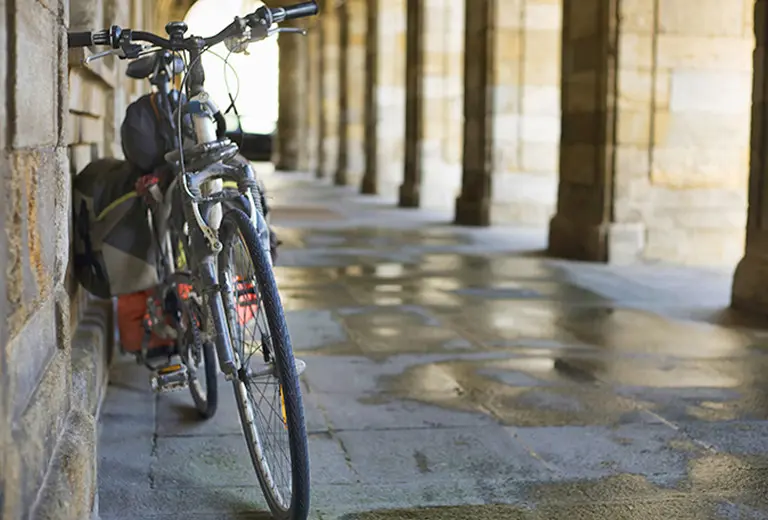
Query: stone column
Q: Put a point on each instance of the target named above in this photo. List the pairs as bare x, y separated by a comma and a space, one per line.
750, 283
473, 206
330, 90
340, 175
321, 89
312, 72
410, 190
290, 145
654, 131
369, 185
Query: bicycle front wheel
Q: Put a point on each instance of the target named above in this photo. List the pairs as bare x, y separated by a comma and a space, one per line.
267, 388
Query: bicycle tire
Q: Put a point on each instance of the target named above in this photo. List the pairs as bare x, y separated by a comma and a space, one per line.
236, 223
206, 401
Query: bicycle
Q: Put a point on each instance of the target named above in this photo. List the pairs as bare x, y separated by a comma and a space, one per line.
206, 209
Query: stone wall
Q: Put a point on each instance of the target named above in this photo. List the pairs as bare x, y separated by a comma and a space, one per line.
695, 95
56, 341
654, 147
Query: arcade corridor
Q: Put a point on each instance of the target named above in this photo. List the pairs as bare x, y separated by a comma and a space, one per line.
550, 353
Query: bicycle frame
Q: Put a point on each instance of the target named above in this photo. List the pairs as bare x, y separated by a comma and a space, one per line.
197, 192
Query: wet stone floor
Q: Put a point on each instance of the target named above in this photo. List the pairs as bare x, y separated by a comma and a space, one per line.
456, 373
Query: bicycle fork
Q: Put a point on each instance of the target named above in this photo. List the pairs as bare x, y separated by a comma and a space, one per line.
223, 340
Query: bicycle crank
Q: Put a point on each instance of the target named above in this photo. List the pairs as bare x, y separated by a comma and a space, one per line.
169, 378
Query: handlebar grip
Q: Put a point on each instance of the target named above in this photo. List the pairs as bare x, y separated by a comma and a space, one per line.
79, 39
301, 10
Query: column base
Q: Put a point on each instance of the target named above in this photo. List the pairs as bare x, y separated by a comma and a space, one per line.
288, 166
369, 186
614, 243
340, 177
471, 212
750, 284
410, 196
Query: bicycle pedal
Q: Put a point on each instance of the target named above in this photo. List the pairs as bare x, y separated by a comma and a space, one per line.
301, 366
169, 378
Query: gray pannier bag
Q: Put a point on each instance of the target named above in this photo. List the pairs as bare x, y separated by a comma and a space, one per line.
115, 251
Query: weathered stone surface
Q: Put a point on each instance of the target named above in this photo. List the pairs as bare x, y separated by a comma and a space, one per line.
290, 145
35, 80
70, 487
679, 126
32, 229
35, 362
34, 438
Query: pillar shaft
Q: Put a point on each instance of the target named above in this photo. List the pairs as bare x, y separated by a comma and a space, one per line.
369, 185
340, 176
293, 94
312, 71
473, 206
410, 190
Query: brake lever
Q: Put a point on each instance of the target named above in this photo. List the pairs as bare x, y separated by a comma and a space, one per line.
126, 51
103, 54
295, 30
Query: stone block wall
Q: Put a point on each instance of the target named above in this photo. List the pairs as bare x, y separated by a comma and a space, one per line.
34, 330
527, 111
655, 137
55, 340
688, 100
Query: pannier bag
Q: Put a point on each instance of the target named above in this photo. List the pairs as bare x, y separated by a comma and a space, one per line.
132, 314
114, 249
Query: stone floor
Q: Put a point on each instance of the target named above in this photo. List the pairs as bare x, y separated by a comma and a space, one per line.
456, 373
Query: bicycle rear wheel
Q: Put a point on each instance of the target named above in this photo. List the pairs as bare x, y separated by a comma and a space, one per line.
267, 389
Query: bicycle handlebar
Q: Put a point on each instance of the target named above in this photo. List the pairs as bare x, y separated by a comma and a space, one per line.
80, 39
262, 19
295, 11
